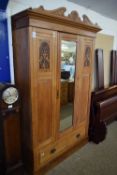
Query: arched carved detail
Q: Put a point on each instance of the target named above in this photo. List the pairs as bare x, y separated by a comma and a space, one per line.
74, 16
87, 56
59, 11
86, 20
44, 55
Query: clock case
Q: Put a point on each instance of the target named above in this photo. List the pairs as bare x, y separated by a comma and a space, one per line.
10, 139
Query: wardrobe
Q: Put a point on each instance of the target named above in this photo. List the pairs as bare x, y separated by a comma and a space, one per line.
53, 57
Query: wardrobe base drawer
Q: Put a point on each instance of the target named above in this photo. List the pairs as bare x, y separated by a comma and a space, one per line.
50, 152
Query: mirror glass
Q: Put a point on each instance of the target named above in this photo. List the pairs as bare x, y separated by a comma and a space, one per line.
68, 60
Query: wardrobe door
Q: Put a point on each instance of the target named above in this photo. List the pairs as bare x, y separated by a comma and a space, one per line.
67, 55
83, 80
43, 81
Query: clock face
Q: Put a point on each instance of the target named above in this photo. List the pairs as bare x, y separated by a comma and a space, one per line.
10, 95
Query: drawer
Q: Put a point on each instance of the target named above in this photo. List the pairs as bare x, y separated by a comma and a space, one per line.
77, 136
50, 152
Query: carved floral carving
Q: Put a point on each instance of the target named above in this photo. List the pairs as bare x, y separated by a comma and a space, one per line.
44, 56
87, 56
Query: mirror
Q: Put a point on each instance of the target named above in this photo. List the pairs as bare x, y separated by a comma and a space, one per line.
68, 59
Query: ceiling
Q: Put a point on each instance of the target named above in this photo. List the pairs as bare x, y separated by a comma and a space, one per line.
107, 8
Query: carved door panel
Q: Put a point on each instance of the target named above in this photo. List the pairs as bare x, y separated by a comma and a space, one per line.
43, 78
83, 80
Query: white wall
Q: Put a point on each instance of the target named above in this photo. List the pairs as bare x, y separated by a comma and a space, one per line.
108, 25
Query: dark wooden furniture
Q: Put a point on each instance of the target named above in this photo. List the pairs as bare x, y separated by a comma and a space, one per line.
103, 110
70, 91
10, 140
103, 100
37, 38
67, 91
99, 69
2, 149
113, 73
64, 92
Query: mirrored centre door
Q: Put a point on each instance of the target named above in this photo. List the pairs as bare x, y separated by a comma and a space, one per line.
67, 59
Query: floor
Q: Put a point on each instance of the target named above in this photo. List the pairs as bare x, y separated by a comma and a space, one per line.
92, 159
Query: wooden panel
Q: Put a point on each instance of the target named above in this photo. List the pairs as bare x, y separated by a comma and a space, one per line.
2, 148
100, 69
107, 108
59, 27
21, 49
116, 69
83, 81
44, 85
81, 108
12, 139
84, 98
113, 71
44, 101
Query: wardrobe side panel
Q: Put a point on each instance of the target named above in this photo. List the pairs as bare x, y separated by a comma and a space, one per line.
21, 50
22, 79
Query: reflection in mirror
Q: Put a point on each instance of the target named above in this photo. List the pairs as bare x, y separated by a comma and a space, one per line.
68, 59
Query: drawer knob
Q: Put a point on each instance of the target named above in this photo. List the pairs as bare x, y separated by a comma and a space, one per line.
53, 151
78, 135
42, 154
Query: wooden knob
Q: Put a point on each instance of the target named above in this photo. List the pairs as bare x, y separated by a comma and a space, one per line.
42, 154
78, 135
53, 151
